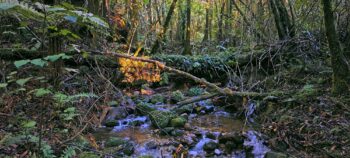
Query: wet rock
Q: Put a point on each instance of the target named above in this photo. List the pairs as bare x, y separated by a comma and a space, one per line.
178, 122
234, 137
210, 146
117, 113
151, 145
272, 154
177, 132
144, 108
157, 98
115, 141
161, 119
167, 130
211, 136
111, 123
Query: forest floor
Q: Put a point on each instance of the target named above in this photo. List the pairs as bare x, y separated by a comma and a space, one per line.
91, 113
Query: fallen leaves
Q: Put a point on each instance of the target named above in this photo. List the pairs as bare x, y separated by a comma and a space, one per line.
134, 70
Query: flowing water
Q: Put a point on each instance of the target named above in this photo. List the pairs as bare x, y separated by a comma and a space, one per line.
205, 128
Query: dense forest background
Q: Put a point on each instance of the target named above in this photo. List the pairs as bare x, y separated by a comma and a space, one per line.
270, 78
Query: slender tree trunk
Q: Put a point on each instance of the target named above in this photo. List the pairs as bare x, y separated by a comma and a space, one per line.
340, 66
165, 27
206, 29
220, 22
187, 44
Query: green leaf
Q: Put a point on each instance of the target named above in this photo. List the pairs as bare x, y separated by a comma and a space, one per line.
41, 92
20, 63
3, 85
23, 81
29, 124
39, 62
52, 58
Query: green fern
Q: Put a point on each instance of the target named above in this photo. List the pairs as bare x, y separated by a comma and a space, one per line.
69, 152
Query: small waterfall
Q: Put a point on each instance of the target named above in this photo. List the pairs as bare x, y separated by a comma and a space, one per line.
124, 123
254, 140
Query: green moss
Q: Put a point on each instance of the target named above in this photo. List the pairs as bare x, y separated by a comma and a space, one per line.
178, 122
177, 96
161, 119
144, 108
158, 98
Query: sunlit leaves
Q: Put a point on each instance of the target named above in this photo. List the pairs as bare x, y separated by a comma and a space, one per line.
134, 70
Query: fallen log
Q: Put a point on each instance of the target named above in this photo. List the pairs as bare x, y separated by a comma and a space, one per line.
222, 91
196, 99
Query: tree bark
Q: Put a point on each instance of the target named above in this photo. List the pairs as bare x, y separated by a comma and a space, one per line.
340, 66
187, 44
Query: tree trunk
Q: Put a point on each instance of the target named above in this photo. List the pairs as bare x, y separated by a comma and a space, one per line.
283, 24
340, 84
206, 29
187, 44
220, 22
160, 36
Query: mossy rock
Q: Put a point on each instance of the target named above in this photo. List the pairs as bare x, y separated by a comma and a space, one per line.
158, 98
210, 146
111, 123
177, 96
115, 141
144, 108
178, 122
88, 155
184, 109
161, 119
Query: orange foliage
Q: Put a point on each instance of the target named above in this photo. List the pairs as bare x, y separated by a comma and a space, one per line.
134, 70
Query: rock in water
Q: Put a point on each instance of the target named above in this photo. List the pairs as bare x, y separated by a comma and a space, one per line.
178, 122
210, 146
161, 119
111, 123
